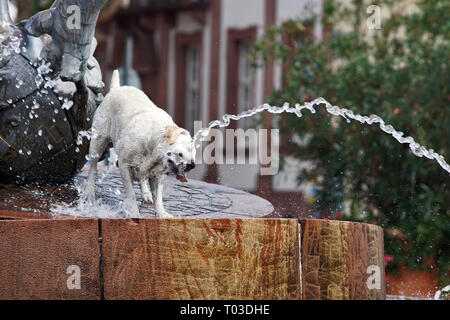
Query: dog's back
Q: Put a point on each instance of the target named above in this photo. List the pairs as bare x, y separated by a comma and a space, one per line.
128, 108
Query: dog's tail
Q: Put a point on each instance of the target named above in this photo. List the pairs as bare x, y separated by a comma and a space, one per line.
115, 80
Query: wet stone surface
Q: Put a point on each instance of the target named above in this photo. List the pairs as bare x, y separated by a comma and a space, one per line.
192, 199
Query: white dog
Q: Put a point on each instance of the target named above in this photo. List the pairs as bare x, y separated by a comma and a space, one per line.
148, 143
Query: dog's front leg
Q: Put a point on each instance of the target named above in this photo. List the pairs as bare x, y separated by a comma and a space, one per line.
156, 185
130, 204
146, 194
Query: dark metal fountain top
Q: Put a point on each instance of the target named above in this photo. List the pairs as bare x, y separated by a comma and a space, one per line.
195, 199
50, 87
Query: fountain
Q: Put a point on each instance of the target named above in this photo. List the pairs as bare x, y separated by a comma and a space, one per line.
220, 246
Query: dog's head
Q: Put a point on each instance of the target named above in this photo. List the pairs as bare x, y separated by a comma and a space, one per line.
180, 154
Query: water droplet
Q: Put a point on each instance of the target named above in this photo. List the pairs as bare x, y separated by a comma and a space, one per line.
67, 104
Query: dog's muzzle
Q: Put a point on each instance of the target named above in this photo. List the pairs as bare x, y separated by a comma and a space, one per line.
190, 166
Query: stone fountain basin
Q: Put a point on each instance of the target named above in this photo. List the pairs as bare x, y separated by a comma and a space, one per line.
223, 246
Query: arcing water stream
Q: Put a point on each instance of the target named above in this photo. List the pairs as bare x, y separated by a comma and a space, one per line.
417, 149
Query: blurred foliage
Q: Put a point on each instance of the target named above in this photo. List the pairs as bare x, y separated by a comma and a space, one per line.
27, 8
399, 72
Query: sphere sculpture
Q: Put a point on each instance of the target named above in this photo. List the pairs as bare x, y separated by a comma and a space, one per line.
50, 87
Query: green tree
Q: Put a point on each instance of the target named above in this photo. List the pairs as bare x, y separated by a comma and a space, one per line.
399, 72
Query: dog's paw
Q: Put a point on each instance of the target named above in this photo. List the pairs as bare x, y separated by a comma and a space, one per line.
147, 197
164, 214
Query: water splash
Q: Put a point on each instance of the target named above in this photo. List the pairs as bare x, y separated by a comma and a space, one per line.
445, 290
80, 208
83, 134
12, 45
417, 149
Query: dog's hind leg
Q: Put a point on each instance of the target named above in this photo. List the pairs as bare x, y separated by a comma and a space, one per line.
96, 148
145, 190
130, 204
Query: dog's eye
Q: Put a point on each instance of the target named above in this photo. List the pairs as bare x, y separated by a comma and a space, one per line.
181, 155
169, 153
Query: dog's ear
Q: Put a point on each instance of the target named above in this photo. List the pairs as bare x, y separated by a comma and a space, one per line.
172, 133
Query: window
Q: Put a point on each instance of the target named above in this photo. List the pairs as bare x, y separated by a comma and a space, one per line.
188, 68
129, 76
245, 80
240, 74
192, 86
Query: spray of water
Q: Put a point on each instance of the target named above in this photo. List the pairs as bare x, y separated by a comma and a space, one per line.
445, 290
417, 149
99, 209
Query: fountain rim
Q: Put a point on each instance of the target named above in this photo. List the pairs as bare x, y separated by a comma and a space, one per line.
24, 215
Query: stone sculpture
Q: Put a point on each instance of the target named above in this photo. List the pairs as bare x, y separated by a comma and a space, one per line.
50, 86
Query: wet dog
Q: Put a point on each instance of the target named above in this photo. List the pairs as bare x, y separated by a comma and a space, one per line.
148, 143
